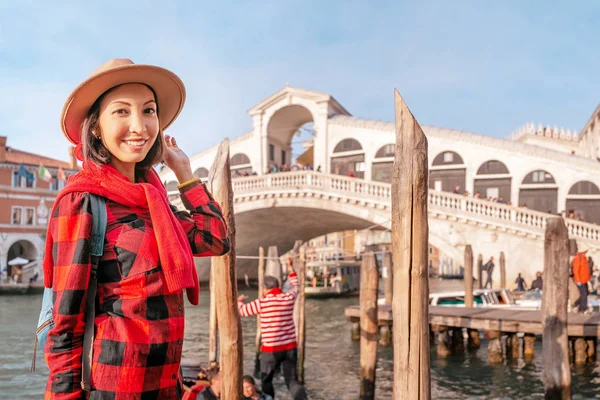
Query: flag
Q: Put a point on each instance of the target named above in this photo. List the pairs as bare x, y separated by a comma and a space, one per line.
44, 174
23, 173
61, 175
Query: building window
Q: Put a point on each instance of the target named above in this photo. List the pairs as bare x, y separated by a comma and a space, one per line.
271, 152
448, 157
283, 161
23, 215
359, 166
16, 215
492, 193
29, 216
21, 181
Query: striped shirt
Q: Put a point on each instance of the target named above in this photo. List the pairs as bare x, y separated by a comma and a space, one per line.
276, 310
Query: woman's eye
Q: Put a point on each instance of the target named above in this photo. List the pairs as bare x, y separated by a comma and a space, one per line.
120, 111
150, 110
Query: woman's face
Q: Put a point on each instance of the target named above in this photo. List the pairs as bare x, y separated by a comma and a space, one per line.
249, 389
128, 123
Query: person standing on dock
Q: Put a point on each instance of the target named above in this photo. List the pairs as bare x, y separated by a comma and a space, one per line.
276, 310
489, 268
581, 276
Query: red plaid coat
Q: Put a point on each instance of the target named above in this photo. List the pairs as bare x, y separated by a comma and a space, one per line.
138, 326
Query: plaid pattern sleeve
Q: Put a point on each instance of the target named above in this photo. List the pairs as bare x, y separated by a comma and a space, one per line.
204, 224
70, 227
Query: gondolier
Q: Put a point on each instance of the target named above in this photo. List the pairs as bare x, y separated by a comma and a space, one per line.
276, 310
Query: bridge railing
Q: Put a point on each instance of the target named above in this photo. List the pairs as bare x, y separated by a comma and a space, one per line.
382, 193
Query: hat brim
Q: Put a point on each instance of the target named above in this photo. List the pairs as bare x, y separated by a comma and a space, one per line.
169, 90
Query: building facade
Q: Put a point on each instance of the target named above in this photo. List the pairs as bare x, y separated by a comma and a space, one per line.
25, 204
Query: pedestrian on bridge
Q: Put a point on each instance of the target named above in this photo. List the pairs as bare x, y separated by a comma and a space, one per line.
276, 310
489, 268
581, 276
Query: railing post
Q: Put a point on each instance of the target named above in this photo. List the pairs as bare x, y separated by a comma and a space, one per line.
309, 179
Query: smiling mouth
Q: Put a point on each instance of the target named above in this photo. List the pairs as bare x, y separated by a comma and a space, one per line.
135, 143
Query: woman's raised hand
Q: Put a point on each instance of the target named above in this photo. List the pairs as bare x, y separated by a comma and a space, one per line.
177, 160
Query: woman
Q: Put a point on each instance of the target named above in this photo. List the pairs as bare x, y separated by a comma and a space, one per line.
116, 120
250, 391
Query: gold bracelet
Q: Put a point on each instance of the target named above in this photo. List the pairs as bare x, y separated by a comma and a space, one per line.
184, 184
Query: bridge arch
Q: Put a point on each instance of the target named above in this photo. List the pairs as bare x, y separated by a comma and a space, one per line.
348, 158
493, 180
448, 170
584, 200
383, 162
539, 191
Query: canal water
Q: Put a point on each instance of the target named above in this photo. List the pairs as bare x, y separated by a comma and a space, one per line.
332, 358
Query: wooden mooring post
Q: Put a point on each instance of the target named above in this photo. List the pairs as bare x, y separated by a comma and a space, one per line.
225, 286
213, 344
473, 340
468, 275
480, 271
502, 270
410, 308
388, 289
301, 318
369, 287
261, 278
555, 341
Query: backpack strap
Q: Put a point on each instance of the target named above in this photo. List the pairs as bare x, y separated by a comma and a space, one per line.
99, 221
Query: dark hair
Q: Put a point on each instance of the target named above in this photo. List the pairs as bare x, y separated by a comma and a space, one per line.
271, 282
212, 373
93, 148
249, 379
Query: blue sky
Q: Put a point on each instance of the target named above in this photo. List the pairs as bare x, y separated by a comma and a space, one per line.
479, 66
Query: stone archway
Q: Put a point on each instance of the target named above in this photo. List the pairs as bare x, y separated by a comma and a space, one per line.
283, 126
20, 254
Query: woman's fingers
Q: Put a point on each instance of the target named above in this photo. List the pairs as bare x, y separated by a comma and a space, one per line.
170, 141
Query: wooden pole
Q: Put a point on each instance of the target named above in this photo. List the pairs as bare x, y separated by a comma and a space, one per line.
213, 339
230, 327
410, 308
301, 319
555, 341
389, 280
468, 276
479, 271
502, 270
261, 277
369, 281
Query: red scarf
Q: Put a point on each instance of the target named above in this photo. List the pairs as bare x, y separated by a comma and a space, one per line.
174, 248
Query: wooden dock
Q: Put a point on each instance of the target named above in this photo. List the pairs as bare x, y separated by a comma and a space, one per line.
496, 319
447, 325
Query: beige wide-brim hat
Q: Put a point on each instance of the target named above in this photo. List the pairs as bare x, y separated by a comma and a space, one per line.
169, 90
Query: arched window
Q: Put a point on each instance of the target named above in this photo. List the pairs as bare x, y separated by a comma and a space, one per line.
538, 177
347, 145
447, 158
239, 159
386, 151
172, 186
492, 167
201, 173
584, 187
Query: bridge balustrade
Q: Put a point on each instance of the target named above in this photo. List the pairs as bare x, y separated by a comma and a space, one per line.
479, 210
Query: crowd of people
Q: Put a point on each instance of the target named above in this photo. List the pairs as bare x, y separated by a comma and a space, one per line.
572, 214
208, 386
274, 168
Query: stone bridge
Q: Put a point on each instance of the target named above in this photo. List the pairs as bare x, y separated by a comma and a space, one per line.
278, 209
